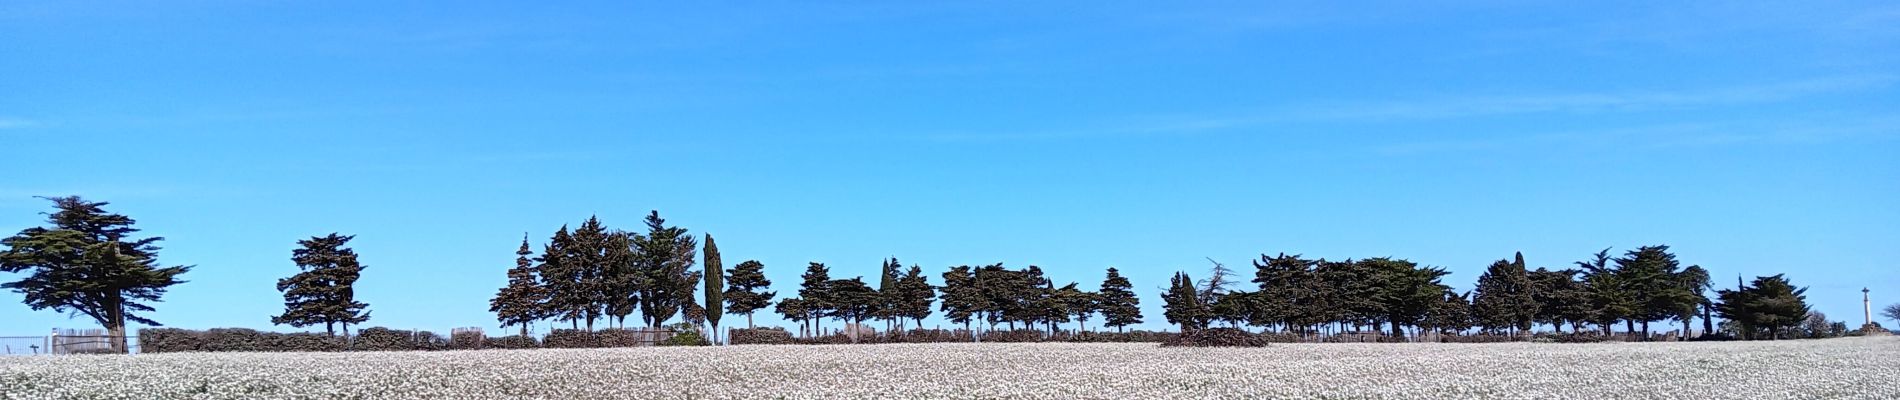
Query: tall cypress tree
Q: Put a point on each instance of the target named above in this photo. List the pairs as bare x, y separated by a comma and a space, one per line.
324, 292
1120, 306
588, 256
745, 292
715, 282
887, 294
519, 303
1183, 303
84, 262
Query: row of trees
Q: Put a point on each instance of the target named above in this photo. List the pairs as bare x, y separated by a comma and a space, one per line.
86, 261
597, 274
1644, 285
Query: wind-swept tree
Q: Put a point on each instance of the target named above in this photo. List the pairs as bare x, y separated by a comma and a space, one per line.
1770, 304
519, 303
1079, 303
794, 309
1560, 297
1183, 303
815, 294
1607, 290
745, 291
962, 301
915, 296
325, 291
715, 282
85, 262
853, 301
1503, 300
1650, 275
667, 279
1119, 305
623, 278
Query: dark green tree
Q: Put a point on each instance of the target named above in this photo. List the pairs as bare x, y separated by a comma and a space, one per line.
1607, 291
1503, 300
715, 282
1182, 304
566, 293
1119, 305
962, 301
623, 277
852, 300
85, 262
667, 279
1561, 298
1079, 303
324, 292
745, 292
587, 254
888, 295
816, 295
1770, 305
794, 309
1649, 274
519, 303
916, 295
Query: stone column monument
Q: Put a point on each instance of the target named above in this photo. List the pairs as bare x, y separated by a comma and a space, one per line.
1867, 308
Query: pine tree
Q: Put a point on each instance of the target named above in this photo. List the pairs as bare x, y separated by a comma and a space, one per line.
84, 262
1503, 299
815, 292
745, 291
1650, 275
622, 279
1119, 304
961, 299
888, 296
588, 256
1183, 303
715, 281
324, 292
566, 293
519, 303
665, 265
916, 296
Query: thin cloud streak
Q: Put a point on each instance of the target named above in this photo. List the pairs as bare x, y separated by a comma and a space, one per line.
1466, 107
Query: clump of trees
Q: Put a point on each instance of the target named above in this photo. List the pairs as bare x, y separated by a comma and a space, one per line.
593, 274
1307, 297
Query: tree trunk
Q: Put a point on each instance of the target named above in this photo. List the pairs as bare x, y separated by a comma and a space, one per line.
1645, 331
748, 321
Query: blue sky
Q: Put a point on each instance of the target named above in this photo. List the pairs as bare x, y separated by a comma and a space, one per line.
1754, 138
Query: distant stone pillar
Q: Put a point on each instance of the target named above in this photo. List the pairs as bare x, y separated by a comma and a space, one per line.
1867, 307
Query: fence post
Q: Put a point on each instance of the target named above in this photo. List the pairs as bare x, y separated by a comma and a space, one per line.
51, 341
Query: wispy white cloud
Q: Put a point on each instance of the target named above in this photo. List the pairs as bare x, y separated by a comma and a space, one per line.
1819, 130
1457, 107
16, 123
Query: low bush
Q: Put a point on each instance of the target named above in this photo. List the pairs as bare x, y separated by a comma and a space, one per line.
467, 341
1015, 336
172, 340
773, 335
928, 336
511, 342
685, 338
1217, 337
571, 339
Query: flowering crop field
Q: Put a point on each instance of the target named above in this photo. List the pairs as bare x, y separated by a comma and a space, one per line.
1852, 368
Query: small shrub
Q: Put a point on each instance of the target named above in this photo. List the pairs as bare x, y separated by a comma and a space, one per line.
685, 338
169, 340
571, 339
773, 335
1015, 336
1217, 337
383, 339
467, 340
511, 342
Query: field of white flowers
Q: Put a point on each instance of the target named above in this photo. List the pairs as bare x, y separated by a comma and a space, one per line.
1852, 368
